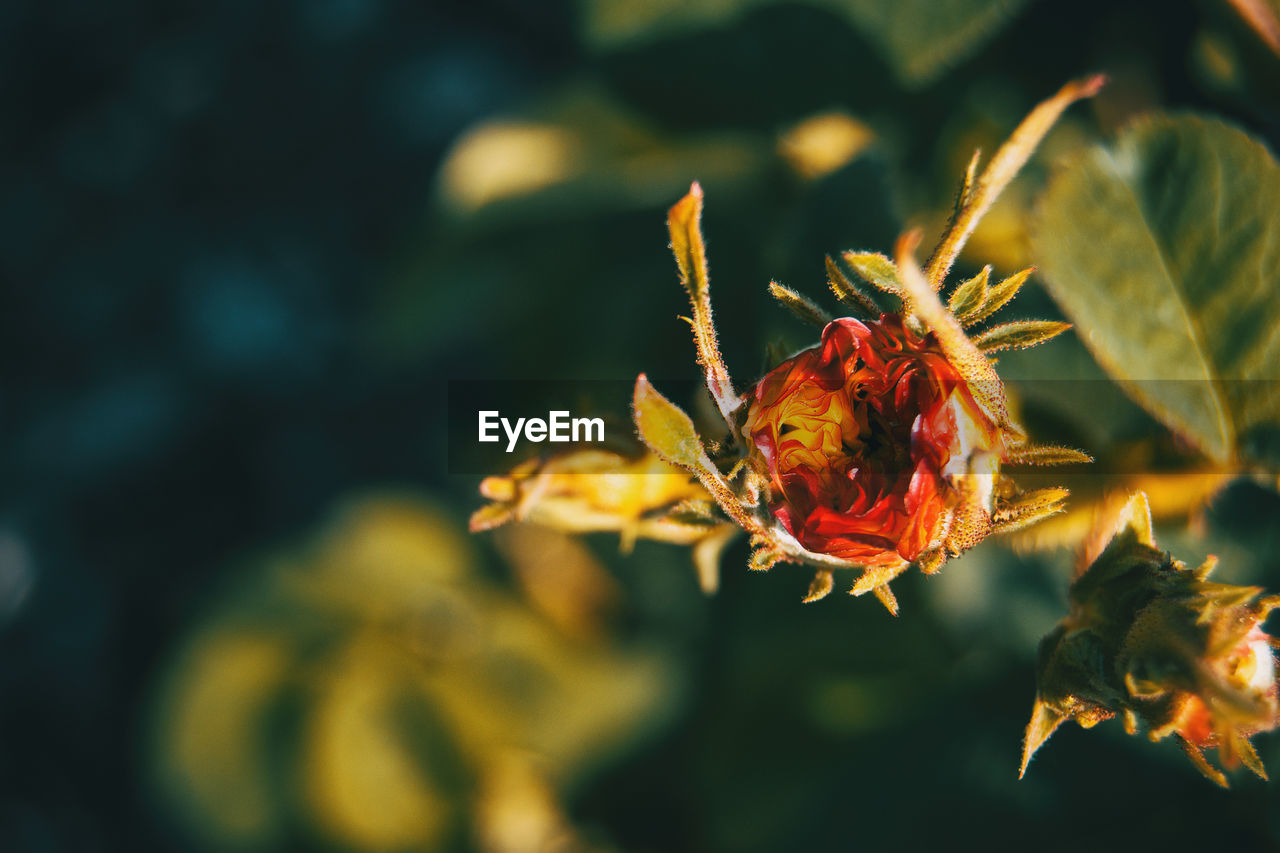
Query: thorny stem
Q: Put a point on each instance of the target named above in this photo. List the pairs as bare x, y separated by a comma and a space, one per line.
1004, 166
972, 364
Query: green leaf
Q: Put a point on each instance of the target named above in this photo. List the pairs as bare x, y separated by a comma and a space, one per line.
1019, 335
969, 295
849, 293
667, 430
1044, 722
684, 223
799, 304
875, 269
1165, 251
922, 38
919, 38
1047, 454
820, 587
997, 297
670, 433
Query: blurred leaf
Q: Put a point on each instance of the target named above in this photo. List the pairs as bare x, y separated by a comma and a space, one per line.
579, 148
823, 143
215, 719
365, 689
919, 38
365, 785
561, 578
1173, 496
1164, 250
922, 38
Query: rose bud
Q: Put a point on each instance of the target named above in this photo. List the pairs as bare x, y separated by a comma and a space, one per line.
1153, 641
880, 447
864, 440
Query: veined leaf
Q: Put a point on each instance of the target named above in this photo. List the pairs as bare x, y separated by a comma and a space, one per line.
1165, 251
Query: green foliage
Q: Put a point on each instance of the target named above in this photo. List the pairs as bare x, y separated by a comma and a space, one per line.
797, 303
875, 269
1165, 248
922, 38
668, 431
1019, 335
969, 295
918, 38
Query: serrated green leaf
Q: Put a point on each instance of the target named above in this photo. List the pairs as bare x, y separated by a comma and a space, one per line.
1019, 335
1165, 251
969, 295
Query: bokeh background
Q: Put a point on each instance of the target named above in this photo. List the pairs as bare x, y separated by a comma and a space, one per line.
246, 246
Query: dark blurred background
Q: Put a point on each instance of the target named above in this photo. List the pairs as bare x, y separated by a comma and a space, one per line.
244, 246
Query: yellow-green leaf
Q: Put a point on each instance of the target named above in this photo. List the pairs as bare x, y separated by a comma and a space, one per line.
1047, 454
849, 293
997, 297
1019, 335
666, 429
1165, 251
684, 222
669, 432
969, 295
876, 269
799, 304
